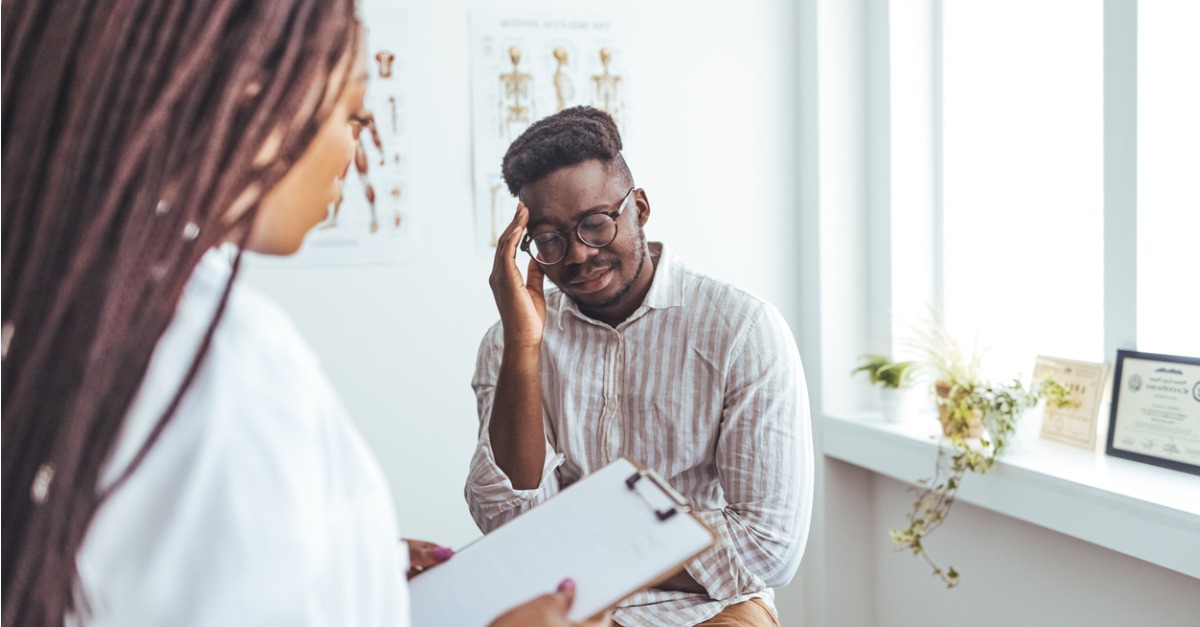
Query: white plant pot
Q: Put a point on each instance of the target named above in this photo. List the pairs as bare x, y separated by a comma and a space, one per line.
898, 404
1029, 429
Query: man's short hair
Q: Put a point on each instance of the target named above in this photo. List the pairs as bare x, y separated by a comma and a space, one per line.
564, 139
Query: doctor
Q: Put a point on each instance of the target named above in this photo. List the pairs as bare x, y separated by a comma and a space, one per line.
172, 452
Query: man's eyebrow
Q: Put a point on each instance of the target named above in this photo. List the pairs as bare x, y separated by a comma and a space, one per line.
577, 216
594, 209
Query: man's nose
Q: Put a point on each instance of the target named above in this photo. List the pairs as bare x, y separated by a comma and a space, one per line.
577, 251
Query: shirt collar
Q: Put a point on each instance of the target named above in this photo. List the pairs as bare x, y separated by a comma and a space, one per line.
666, 290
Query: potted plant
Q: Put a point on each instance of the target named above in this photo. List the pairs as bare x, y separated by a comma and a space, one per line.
956, 377
894, 380
979, 420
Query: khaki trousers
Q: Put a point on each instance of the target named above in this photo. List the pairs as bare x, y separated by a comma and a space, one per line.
752, 613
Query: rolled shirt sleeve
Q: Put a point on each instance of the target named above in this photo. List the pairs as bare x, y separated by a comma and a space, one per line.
765, 467
489, 492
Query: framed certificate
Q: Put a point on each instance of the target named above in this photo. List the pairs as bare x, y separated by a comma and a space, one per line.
1155, 415
1076, 423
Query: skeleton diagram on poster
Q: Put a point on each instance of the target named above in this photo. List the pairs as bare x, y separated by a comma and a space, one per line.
371, 222
525, 67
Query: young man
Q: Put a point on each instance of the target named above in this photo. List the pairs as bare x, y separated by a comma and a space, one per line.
636, 355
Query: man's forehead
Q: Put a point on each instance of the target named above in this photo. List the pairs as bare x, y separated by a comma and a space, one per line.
581, 178
565, 207
565, 202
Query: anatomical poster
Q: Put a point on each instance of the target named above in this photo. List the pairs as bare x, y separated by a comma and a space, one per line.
372, 222
524, 67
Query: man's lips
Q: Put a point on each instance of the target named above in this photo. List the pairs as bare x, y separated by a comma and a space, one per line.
592, 282
591, 277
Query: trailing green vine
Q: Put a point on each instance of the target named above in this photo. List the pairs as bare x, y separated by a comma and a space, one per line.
997, 408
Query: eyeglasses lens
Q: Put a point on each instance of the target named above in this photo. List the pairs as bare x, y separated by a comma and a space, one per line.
549, 248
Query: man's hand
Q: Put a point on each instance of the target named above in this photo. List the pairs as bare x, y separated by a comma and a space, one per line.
549, 610
425, 555
518, 438
521, 302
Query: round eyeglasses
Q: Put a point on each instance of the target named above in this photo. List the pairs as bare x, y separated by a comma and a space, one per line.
595, 229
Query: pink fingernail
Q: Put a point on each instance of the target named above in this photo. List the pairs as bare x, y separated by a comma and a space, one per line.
442, 553
567, 584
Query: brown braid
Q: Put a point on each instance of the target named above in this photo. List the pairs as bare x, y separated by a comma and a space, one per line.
130, 128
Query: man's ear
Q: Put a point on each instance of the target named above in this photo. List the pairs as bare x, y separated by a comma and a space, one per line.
643, 206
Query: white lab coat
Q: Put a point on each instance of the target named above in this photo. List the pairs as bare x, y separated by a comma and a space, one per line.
260, 504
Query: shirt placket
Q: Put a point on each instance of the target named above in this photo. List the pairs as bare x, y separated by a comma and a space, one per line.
610, 423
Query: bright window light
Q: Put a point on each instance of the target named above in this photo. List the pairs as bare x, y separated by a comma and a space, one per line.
1168, 193
1023, 179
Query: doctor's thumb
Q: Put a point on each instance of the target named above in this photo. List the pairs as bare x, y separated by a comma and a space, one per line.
566, 592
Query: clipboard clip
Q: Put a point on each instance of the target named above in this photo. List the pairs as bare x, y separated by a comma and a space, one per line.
679, 503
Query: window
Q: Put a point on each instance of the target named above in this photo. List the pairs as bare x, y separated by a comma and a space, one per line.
1016, 96
1168, 179
1022, 175
1029, 168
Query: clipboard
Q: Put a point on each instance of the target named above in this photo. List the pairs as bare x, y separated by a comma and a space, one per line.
616, 531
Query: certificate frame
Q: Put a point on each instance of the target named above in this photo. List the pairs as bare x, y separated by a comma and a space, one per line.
1119, 419
1077, 424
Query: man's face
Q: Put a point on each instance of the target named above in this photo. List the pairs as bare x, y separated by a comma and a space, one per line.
601, 280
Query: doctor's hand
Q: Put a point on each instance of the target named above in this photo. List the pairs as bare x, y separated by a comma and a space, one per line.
521, 302
549, 610
425, 555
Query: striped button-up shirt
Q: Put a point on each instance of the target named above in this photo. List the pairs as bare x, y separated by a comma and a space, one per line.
703, 384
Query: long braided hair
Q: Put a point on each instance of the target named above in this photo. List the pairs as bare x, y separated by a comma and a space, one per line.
133, 134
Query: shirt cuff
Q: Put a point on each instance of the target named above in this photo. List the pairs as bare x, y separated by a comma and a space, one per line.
490, 492
720, 570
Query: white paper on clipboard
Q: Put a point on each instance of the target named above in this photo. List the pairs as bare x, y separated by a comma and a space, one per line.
614, 532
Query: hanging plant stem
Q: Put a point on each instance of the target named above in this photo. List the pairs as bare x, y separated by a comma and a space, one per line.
1000, 407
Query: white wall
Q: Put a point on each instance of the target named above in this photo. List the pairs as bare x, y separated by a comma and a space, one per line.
1015, 573
714, 144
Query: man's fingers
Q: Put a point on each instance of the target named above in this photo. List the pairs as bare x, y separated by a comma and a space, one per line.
504, 268
520, 220
506, 244
535, 278
505, 234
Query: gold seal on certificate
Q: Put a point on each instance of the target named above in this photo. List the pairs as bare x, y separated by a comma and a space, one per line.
1156, 410
1074, 424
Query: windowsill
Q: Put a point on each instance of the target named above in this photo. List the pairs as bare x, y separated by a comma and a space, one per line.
1140, 510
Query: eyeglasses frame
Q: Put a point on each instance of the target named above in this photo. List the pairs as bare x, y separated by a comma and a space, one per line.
613, 215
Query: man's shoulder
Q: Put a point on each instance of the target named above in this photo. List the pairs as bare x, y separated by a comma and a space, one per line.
707, 294
707, 284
